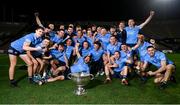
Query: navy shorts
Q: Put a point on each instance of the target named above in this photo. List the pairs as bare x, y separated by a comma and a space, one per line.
59, 63
13, 51
36, 54
117, 75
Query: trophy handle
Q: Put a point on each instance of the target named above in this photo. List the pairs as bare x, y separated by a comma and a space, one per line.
69, 76
92, 76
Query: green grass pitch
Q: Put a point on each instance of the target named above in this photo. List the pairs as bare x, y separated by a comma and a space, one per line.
61, 92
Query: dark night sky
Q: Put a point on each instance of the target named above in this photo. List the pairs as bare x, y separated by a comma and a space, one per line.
97, 10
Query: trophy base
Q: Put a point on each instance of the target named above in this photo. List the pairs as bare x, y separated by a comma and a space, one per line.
80, 91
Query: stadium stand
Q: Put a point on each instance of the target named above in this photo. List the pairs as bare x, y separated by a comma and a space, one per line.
10, 32
166, 34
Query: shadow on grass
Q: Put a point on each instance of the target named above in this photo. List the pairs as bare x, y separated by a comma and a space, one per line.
21, 78
93, 83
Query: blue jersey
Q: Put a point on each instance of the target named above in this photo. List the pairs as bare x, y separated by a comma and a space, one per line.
56, 39
80, 40
85, 52
69, 51
30, 38
40, 52
112, 48
142, 50
96, 54
80, 66
97, 36
157, 58
52, 35
104, 40
121, 63
90, 41
58, 55
125, 55
132, 34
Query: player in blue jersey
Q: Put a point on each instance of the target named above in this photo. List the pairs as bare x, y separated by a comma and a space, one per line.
97, 34
58, 38
141, 47
126, 53
104, 38
70, 53
133, 30
117, 68
113, 46
70, 50
97, 62
80, 38
19, 48
59, 65
48, 30
82, 63
37, 56
70, 32
60, 61
90, 38
85, 49
165, 67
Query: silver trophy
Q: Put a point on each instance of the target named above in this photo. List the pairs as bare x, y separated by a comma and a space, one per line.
81, 79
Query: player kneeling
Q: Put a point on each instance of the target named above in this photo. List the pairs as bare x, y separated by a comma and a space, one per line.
117, 68
165, 67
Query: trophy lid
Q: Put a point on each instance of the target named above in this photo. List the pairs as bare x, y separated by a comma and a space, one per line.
80, 74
